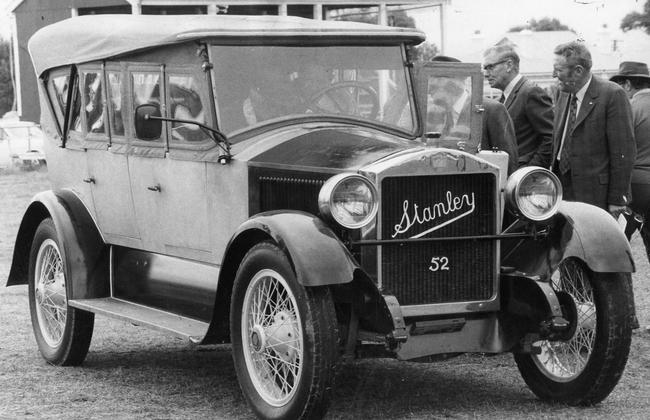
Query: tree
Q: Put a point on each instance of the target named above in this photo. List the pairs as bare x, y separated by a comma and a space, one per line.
424, 52
544, 24
399, 18
636, 20
6, 86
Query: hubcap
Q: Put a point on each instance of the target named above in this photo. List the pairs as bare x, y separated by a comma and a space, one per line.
49, 293
258, 339
563, 361
272, 338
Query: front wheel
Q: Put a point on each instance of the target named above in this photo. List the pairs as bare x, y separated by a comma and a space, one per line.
284, 337
584, 369
62, 333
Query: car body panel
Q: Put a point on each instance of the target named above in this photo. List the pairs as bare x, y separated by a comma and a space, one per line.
160, 224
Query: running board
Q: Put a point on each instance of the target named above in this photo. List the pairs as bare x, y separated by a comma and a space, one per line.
152, 318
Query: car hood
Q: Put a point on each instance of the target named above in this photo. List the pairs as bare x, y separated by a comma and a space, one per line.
340, 148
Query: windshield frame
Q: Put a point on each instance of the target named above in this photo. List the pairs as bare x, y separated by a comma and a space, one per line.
410, 100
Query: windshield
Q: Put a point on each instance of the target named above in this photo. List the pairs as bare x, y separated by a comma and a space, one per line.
259, 84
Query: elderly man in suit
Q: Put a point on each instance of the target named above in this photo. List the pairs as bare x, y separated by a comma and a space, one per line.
594, 148
529, 106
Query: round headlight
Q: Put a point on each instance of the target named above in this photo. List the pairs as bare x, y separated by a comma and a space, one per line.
533, 193
348, 199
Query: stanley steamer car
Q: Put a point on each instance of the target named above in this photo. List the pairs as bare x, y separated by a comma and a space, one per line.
306, 191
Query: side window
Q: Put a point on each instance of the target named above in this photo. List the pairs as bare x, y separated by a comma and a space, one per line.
146, 88
57, 88
449, 107
93, 102
185, 104
75, 112
115, 102
61, 85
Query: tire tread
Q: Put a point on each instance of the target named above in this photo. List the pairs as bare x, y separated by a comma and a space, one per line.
609, 357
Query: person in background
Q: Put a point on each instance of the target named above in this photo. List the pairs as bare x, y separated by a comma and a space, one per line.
633, 77
529, 106
498, 131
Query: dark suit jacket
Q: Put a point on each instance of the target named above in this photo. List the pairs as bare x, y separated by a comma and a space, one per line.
498, 132
601, 145
531, 110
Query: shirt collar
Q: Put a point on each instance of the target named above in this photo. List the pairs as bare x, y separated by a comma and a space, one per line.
508, 90
580, 95
645, 91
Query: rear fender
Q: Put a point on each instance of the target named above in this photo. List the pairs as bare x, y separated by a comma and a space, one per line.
82, 246
578, 230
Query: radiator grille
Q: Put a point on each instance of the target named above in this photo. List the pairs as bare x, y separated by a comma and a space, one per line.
438, 206
279, 193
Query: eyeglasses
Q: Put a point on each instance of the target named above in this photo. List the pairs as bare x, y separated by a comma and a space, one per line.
490, 67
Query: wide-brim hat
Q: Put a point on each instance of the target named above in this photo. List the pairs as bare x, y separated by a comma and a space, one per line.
631, 70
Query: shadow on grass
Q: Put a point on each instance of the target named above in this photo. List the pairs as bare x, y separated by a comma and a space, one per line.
468, 386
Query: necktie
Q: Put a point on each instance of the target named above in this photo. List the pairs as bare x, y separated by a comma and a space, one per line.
502, 99
566, 143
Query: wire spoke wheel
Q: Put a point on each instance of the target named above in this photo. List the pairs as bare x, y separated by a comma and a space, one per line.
284, 337
273, 338
50, 299
583, 368
564, 360
63, 333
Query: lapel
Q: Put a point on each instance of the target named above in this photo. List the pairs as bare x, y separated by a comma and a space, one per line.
514, 92
588, 102
562, 108
561, 112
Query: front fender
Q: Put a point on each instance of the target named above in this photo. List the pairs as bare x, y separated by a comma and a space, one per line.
578, 230
82, 246
318, 257
595, 237
315, 253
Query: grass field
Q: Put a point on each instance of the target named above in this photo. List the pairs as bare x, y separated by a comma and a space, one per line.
134, 373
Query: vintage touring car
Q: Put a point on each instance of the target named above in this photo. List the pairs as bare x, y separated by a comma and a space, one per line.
306, 191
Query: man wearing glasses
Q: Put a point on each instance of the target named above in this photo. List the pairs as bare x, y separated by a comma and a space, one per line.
529, 106
594, 148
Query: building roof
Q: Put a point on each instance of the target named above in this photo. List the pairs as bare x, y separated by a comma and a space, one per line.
536, 50
95, 37
536, 56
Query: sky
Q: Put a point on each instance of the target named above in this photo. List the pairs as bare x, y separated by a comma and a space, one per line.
494, 17
586, 17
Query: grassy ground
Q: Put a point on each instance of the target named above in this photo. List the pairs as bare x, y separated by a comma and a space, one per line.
134, 373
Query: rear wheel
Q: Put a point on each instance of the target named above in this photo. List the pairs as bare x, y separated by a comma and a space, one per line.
284, 338
584, 369
62, 333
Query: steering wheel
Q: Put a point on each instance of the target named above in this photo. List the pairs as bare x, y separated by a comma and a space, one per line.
345, 97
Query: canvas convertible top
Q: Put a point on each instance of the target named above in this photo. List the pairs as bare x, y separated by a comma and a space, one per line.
95, 37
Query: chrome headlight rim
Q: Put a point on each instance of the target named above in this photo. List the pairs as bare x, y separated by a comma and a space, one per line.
326, 199
513, 190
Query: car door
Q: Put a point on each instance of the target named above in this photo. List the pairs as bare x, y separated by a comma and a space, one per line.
168, 178
449, 97
105, 143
